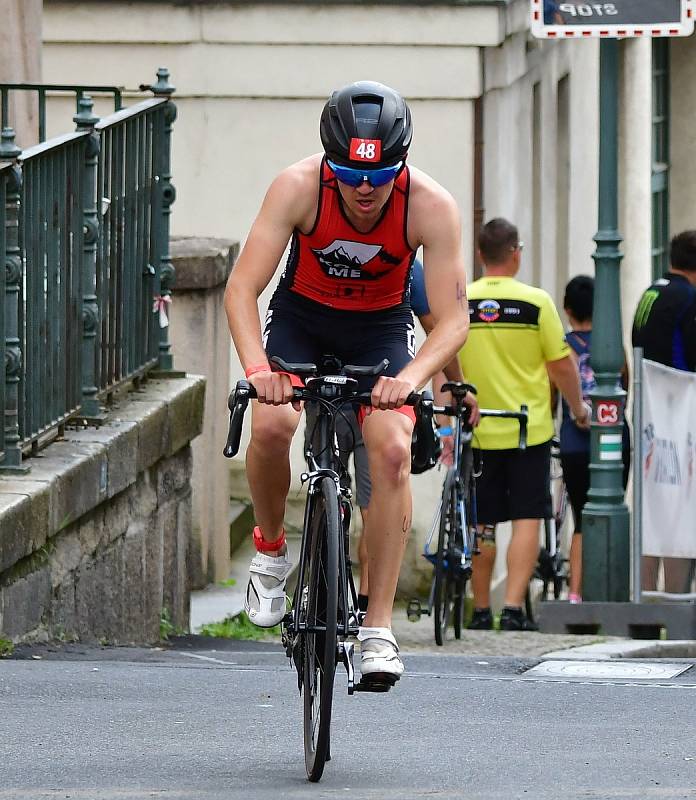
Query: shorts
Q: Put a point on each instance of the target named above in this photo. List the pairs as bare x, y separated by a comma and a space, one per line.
350, 440
300, 330
576, 476
514, 484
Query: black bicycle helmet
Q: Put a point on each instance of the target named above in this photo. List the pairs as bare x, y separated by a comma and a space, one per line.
366, 123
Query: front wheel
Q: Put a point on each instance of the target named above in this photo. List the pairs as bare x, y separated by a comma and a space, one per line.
320, 596
448, 587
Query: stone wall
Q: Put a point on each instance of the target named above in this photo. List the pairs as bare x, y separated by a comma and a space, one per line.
94, 540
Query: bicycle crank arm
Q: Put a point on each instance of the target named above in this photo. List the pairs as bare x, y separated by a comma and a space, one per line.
345, 651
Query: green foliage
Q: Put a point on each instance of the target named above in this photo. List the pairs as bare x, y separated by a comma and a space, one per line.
228, 583
6, 648
239, 627
167, 627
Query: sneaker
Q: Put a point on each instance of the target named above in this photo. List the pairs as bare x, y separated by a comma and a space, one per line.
379, 655
514, 619
575, 599
481, 620
265, 600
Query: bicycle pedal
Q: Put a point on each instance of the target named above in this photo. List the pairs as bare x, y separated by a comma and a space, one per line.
414, 611
373, 685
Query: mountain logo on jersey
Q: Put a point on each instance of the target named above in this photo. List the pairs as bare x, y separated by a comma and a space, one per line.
346, 259
488, 310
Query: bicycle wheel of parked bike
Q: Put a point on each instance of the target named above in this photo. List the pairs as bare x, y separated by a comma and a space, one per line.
320, 597
464, 537
446, 592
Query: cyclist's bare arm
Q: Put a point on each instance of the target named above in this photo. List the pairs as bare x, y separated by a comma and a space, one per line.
289, 203
564, 374
434, 223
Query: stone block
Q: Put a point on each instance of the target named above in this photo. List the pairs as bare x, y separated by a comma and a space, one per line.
24, 519
202, 263
154, 578
65, 557
153, 427
134, 604
167, 523
25, 603
77, 474
185, 412
99, 595
63, 621
173, 475
121, 440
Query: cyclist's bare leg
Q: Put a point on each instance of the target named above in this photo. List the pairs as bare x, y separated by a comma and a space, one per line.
268, 464
677, 574
387, 436
575, 558
522, 555
482, 571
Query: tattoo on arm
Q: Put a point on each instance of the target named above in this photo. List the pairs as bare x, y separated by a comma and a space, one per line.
461, 295
405, 525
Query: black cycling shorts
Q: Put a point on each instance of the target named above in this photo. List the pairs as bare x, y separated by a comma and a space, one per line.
514, 484
300, 330
576, 475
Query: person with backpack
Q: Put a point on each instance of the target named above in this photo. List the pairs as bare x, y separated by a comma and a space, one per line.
575, 442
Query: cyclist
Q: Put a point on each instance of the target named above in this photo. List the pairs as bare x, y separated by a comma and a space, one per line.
516, 337
355, 215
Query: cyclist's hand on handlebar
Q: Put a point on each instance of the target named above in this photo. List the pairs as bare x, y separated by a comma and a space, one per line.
391, 392
273, 388
471, 402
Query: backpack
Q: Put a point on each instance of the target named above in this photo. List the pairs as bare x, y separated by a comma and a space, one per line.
587, 377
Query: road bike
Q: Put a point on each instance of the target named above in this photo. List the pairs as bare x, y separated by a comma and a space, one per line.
456, 519
552, 567
324, 614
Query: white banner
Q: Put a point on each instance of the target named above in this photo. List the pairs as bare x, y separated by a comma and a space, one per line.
669, 461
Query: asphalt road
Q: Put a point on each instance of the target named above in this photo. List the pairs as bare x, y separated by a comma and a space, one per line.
216, 720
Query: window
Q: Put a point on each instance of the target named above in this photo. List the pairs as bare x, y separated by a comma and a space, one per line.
660, 156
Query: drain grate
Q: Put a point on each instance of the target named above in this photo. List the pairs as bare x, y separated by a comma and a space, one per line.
606, 670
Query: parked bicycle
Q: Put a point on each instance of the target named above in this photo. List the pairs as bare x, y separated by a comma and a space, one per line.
324, 612
552, 566
456, 520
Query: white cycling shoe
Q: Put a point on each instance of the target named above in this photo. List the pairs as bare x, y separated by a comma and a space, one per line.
379, 655
265, 601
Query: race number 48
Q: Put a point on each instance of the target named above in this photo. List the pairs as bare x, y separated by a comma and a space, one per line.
365, 150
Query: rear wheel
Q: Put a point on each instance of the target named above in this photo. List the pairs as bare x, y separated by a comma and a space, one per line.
320, 598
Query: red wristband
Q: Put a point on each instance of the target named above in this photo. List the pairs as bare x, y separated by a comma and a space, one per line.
249, 371
267, 547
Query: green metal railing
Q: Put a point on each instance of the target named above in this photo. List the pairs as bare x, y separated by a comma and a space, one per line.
127, 285
43, 92
84, 233
51, 232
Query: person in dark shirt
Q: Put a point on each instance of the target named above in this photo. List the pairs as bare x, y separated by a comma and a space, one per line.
578, 303
665, 327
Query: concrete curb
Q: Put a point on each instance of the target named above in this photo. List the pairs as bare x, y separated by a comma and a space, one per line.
646, 648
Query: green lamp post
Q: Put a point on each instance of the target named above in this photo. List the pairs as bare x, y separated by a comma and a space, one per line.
605, 520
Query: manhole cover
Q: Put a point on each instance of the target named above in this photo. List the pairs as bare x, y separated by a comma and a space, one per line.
606, 670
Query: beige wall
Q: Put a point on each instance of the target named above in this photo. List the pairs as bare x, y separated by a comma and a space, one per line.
20, 62
683, 157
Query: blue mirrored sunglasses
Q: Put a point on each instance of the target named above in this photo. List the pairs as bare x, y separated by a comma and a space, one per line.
355, 177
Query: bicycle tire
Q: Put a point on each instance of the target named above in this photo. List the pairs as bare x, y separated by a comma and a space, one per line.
319, 662
443, 583
463, 536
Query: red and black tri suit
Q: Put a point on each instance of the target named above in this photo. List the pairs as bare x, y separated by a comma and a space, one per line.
344, 292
